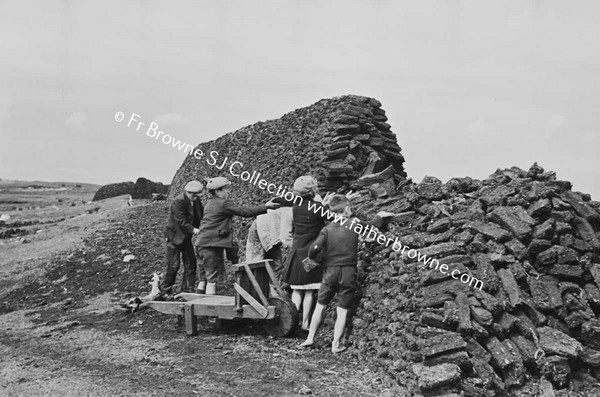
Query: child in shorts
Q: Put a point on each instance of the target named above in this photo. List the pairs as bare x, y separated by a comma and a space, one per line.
215, 235
339, 241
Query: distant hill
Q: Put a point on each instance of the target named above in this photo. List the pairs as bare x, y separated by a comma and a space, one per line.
13, 183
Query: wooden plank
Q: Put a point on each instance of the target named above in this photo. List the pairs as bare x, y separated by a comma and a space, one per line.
273, 278
203, 310
191, 323
208, 299
238, 298
257, 288
215, 300
264, 282
252, 265
200, 309
188, 296
165, 307
230, 312
249, 312
253, 302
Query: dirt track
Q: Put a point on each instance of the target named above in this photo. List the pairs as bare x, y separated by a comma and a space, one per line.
62, 332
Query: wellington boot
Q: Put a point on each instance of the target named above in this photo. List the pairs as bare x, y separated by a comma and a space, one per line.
201, 287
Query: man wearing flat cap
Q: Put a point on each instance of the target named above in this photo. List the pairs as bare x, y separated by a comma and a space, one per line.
184, 221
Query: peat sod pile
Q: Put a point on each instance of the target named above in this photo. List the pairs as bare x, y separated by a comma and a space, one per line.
145, 188
113, 190
336, 140
531, 241
142, 189
534, 245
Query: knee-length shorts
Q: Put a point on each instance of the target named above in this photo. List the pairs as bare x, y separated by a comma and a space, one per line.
341, 280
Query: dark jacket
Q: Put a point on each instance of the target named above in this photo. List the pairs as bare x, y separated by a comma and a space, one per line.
340, 242
306, 225
183, 218
215, 230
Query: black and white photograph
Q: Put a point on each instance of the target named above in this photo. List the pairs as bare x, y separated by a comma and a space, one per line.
300, 198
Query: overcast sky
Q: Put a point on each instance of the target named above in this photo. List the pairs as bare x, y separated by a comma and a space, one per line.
468, 86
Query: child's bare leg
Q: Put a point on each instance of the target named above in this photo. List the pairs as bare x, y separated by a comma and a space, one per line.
306, 308
297, 298
338, 331
314, 325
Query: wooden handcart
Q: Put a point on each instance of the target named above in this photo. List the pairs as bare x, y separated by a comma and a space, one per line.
252, 300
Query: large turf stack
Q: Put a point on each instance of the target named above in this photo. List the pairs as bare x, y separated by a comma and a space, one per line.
142, 189
533, 243
113, 190
336, 140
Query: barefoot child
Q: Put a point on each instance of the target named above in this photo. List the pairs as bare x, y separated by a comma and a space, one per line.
305, 225
339, 240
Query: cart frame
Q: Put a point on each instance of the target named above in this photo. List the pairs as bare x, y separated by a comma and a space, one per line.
251, 300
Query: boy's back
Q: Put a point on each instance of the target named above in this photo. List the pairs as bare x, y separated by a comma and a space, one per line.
339, 240
341, 245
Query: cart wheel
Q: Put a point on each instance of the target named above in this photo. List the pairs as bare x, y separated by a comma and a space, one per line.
286, 318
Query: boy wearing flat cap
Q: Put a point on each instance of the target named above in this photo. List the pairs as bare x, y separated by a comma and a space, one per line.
184, 221
215, 233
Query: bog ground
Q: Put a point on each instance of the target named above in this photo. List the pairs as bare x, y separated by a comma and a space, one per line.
62, 331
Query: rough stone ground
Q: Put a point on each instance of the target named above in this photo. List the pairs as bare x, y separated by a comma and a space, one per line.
62, 331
